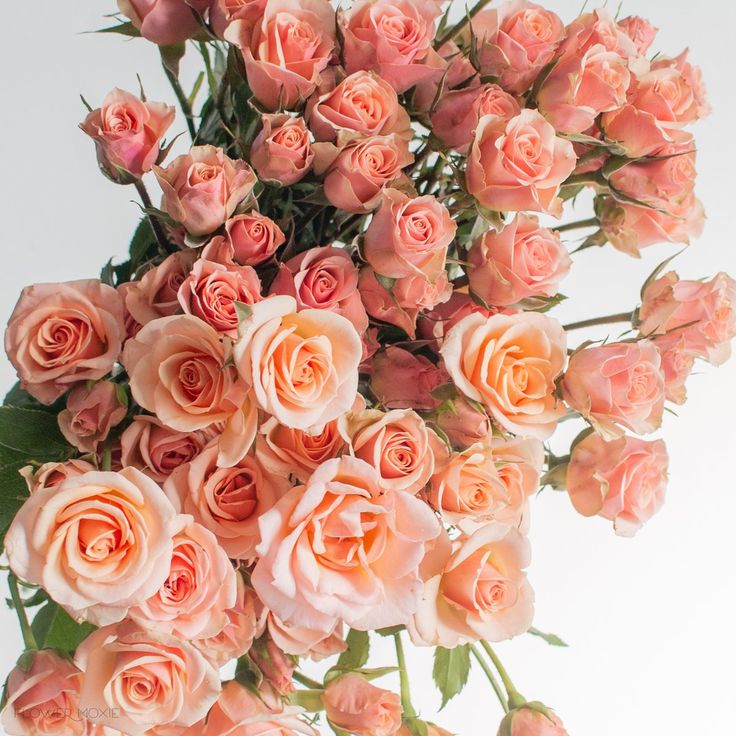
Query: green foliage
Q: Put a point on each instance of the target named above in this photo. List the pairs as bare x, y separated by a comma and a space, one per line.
551, 639
450, 671
356, 655
54, 628
310, 700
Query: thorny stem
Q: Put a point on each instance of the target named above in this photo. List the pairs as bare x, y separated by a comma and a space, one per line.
158, 231
186, 108
409, 711
515, 698
28, 638
460, 25
611, 319
491, 677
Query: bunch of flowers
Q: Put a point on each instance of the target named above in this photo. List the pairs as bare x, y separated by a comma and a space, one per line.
315, 404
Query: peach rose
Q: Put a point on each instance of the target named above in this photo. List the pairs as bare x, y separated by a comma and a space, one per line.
90, 414
51, 475
127, 133
463, 422
521, 261
597, 28
527, 721
617, 385
509, 363
693, 77
640, 31
343, 547
277, 669
62, 334
223, 12
202, 188
282, 151
435, 324
354, 705
97, 543
249, 240
519, 164
285, 49
623, 480
483, 592
300, 641
164, 22
136, 679
303, 366
677, 365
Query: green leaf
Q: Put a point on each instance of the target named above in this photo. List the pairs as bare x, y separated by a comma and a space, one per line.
124, 29
416, 726
356, 655
367, 673
248, 674
17, 396
172, 55
13, 492
551, 639
390, 630
54, 628
143, 239
310, 700
450, 671
32, 433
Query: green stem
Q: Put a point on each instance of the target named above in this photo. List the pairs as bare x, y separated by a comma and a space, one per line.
307, 681
590, 222
515, 697
158, 231
28, 638
491, 677
186, 108
460, 25
611, 319
406, 704
107, 458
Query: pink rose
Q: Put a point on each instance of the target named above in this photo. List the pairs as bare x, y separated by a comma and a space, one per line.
299, 641
509, 363
435, 324
519, 164
321, 558
530, 722
464, 423
164, 22
276, 667
62, 334
202, 188
623, 480
282, 151
211, 291
323, 278
286, 49
136, 679
97, 543
127, 133
483, 592
693, 77
458, 71
394, 39
640, 31
353, 704
515, 41
597, 28
303, 366
617, 385
223, 12
521, 261
677, 365
51, 475
90, 414
409, 237
250, 239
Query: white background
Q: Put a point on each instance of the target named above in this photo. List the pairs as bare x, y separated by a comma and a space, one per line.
650, 621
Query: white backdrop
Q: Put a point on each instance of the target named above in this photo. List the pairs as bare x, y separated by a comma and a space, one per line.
649, 620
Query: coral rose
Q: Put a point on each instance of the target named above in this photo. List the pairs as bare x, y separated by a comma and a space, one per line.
528, 721
282, 151
90, 414
354, 705
223, 12
164, 22
640, 31
249, 239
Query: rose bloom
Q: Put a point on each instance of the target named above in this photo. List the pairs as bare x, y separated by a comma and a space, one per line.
356, 174
300, 641
226, 501
597, 28
202, 188
353, 704
459, 111
394, 39
223, 12
640, 31
135, 679
282, 151
51, 475
515, 41
432, 730
127, 133
303, 366
617, 385
519, 164
677, 365
529, 722
164, 22
249, 240
693, 77
42, 697
343, 547
409, 236
211, 291
483, 592
435, 324
623, 480
458, 71
62, 334
97, 543
521, 261
323, 278
90, 414
285, 50
509, 363
703, 313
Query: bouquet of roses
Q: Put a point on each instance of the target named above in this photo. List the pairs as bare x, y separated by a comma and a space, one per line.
315, 404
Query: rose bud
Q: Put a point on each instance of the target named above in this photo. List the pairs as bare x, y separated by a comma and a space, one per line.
532, 719
276, 667
249, 240
640, 31
164, 22
51, 475
464, 423
223, 12
353, 704
677, 365
282, 151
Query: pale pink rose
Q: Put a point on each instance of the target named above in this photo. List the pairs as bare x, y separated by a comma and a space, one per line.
519, 164
640, 31
211, 292
530, 722
362, 103
42, 697
356, 174
522, 261
303, 366
343, 547
693, 77
198, 591
62, 334
515, 41
90, 414
458, 71
136, 679
127, 133
409, 236
276, 667
623, 480
223, 12
97, 543
226, 501
249, 240
51, 475
509, 363
464, 423
435, 324
355, 705
202, 188
394, 39
282, 151
323, 278
483, 592
597, 28
615, 386
285, 50
300, 641
458, 112
678, 362
164, 22
703, 313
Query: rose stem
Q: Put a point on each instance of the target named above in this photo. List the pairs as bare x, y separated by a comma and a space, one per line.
458, 27
158, 231
609, 320
28, 638
307, 681
409, 711
515, 698
590, 222
491, 677
186, 108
